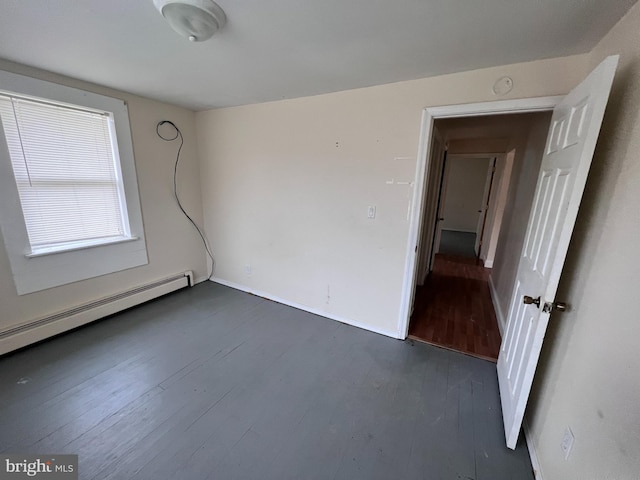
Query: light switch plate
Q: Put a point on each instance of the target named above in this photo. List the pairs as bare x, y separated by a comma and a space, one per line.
371, 211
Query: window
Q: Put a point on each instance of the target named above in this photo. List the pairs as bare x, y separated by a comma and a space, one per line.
69, 201
67, 173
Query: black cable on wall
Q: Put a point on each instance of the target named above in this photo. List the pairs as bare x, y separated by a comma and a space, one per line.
175, 185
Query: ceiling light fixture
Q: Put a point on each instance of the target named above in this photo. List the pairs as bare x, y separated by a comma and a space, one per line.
197, 20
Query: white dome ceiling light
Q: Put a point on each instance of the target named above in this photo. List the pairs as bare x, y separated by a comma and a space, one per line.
197, 20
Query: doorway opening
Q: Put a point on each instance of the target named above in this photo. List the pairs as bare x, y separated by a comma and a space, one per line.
477, 179
536, 236
465, 196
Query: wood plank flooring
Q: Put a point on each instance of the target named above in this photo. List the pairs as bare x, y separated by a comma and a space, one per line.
213, 383
453, 309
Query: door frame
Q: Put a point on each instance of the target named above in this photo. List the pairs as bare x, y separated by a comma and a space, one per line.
444, 184
442, 200
429, 115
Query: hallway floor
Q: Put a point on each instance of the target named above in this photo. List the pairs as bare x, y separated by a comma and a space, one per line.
453, 309
461, 244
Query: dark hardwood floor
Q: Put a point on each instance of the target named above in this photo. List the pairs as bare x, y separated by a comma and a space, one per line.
213, 383
453, 309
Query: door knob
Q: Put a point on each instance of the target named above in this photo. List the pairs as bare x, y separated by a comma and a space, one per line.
554, 307
560, 306
531, 301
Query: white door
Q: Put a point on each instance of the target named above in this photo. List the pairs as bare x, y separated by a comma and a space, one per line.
570, 145
484, 206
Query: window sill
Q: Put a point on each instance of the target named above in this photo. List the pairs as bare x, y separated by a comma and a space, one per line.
74, 246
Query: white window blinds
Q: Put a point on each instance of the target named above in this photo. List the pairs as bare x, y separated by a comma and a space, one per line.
66, 170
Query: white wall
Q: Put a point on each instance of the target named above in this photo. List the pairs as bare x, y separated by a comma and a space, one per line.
286, 186
172, 244
588, 376
466, 178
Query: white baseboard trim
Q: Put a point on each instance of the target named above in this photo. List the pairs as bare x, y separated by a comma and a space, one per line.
535, 462
315, 311
496, 305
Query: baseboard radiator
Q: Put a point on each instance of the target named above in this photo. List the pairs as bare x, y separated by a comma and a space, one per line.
33, 331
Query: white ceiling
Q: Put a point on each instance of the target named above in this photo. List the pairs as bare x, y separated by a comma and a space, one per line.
274, 49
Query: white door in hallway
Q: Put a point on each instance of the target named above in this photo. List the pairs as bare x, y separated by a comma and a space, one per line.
484, 206
571, 141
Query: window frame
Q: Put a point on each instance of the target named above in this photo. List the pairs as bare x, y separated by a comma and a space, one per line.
35, 272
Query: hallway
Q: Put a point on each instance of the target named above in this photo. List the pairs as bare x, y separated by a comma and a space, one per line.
453, 309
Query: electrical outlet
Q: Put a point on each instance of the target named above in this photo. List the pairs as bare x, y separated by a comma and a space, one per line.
247, 269
371, 212
567, 442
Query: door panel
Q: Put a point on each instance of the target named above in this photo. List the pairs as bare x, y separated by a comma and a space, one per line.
570, 145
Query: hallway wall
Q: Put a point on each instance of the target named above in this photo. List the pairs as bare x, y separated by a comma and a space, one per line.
516, 213
465, 189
